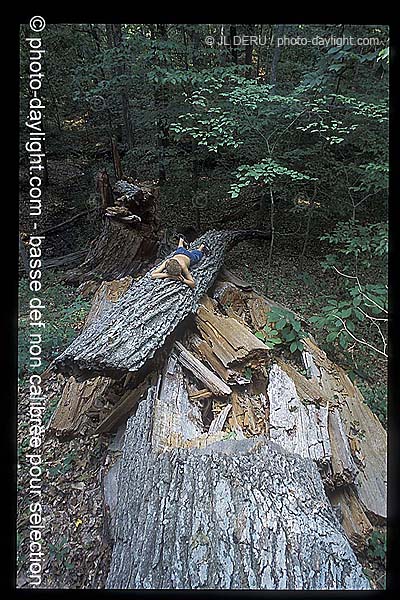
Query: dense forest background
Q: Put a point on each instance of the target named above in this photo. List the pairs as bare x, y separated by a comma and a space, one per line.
291, 138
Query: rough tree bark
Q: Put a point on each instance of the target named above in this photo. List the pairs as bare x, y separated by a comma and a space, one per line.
122, 248
139, 324
236, 514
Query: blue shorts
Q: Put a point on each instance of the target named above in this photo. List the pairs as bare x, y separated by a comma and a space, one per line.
194, 255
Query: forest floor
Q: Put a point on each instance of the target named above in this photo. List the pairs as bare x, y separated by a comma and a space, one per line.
77, 548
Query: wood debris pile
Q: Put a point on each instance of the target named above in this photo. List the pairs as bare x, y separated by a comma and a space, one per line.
217, 381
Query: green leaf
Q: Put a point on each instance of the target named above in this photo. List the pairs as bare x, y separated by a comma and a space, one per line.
331, 336
260, 335
296, 326
293, 347
290, 336
280, 324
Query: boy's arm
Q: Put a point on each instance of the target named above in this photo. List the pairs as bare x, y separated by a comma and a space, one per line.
187, 278
157, 273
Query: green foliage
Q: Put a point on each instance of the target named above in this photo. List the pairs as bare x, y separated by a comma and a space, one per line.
363, 242
341, 318
376, 398
282, 327
265, 172
65, 465
377, 546
59, 552
345, 320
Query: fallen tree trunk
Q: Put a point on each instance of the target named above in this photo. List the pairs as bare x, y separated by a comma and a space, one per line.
139, 324
237, 514
67, 260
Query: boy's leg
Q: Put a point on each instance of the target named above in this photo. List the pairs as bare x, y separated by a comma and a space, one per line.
205, 249
182, 242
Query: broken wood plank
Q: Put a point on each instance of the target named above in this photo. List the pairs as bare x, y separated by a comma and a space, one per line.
301, 429
355, 522
176, 419
123, 408
365, 428
311, 368
219, 421
201, 395
232, 342
344, 469
77, 400
307, 390
205, 352
201, 372
366, 435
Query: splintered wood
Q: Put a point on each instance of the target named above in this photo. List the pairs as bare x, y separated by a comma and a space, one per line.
232, 342
176, 419
352, 516
220, 382
299, 428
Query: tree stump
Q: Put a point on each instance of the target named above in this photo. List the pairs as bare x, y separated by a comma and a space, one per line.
126, 245
236, 514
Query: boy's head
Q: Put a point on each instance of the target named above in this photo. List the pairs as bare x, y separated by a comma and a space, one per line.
173, 267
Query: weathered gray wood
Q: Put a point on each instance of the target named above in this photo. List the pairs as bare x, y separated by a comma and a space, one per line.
369, 441
311, 368
203, 374
150, 311
366, 435
299, 428
238, 514
219, 421
175, 419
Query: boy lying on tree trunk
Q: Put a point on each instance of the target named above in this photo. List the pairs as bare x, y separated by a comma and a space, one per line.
178, 267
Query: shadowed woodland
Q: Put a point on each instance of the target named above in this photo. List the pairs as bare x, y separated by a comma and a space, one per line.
230, 436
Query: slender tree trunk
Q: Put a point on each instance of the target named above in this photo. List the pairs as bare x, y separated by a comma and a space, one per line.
114, 34
116, 159
234, 51
277, 53
160, 105
248, 59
